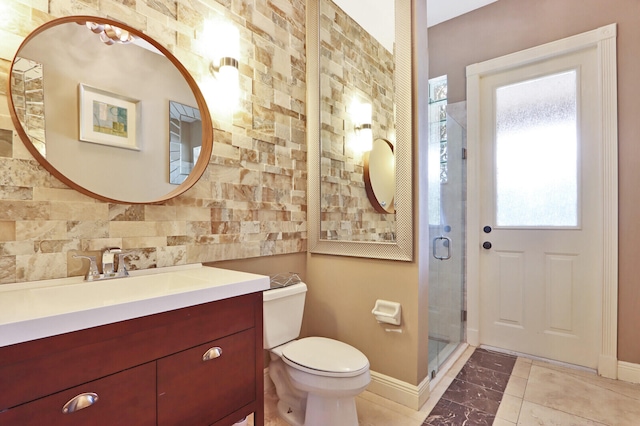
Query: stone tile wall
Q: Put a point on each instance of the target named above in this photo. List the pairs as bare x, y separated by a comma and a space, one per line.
250, 202
353, 65
27, 92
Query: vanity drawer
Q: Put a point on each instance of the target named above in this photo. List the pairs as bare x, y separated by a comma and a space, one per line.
192, 391
38, 368
126, 398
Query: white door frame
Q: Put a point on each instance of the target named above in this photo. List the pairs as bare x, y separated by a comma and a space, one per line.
604, 38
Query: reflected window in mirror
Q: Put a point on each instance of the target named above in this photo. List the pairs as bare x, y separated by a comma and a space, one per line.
185, 140
27, 93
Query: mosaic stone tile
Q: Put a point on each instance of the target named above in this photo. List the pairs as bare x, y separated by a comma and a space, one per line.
57, 246
180, 240
132, 229
41, 229
123, 212
482, 358
452, 414
198, 228
16, 193
474, 396
87, 229
99, 244
170, 256
131, 244
24, 210
7, 230
6, 143
40, 266
22, 172
487, 378
141, 259
7, 269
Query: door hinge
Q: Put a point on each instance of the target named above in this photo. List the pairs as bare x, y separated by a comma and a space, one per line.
464, 153
463, 315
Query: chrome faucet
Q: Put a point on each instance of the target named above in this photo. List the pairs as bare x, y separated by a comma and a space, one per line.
108, 260
92, 273
108, 265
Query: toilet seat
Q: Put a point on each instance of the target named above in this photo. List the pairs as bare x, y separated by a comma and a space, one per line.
325, 357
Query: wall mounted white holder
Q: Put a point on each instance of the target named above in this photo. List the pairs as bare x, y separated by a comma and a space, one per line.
387, 312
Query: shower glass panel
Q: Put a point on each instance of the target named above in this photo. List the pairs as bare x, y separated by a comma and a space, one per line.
446, 187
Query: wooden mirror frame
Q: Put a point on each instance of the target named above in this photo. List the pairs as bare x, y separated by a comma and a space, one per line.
207, 126
402, 247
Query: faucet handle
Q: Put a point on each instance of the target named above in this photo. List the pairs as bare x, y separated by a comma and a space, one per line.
92, 273
108, 259
122, 271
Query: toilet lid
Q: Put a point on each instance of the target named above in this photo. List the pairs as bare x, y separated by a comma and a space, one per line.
326, 357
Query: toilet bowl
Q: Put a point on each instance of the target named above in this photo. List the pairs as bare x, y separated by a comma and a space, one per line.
316, 378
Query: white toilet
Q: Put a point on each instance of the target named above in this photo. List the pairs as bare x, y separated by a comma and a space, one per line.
316, 379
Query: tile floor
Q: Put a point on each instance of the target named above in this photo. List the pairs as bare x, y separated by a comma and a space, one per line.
475, 394
536, 393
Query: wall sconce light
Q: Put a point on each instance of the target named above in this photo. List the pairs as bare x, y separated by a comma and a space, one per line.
361, 113
222, 41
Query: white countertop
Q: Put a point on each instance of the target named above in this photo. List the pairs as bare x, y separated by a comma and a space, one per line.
38, 309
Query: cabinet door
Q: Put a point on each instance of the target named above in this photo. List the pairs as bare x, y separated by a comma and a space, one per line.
194, 391
125, 398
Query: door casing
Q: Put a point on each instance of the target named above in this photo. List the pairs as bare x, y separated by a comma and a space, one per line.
604, 38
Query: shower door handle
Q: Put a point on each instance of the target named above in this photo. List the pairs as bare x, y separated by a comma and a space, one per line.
446, 242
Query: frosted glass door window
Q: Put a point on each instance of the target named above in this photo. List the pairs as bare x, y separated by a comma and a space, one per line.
537, 152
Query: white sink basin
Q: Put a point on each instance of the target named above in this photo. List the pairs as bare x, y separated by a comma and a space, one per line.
39, 309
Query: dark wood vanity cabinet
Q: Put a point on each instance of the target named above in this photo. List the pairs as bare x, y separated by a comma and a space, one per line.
200, 365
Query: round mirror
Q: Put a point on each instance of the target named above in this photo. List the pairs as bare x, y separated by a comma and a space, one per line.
380, 176
109, 111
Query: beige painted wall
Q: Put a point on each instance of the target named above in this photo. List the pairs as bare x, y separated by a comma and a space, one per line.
508, 26
341, 294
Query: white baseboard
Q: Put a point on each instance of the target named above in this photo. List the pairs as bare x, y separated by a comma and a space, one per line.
387, 387
404, 393
628, 372
608, 366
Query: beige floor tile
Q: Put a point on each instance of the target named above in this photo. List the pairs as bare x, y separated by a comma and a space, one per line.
522, 368
374, 399
631, 390
502, 422
371, 414
271, 417
538, 415
580, 395
509, 408
516, 386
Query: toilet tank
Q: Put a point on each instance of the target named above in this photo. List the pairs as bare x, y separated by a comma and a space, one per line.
282, 310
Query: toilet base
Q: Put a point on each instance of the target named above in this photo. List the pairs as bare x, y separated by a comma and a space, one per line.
322, 411
292, 417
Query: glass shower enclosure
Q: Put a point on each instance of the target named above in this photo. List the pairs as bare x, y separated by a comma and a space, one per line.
447, 198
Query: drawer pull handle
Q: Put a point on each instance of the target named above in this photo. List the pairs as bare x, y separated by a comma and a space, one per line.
212, 353
79, 402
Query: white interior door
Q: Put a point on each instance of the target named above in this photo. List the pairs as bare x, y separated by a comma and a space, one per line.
540, 204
